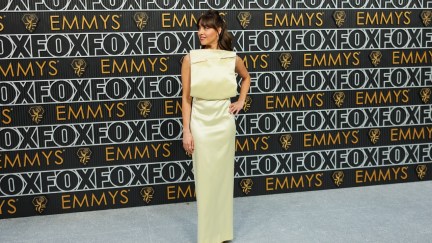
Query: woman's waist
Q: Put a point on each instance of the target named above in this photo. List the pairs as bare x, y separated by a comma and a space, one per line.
205, 106
197, 99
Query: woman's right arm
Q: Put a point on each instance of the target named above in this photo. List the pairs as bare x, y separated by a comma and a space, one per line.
188, 144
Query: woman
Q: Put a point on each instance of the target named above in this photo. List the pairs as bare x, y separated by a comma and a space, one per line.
208, 75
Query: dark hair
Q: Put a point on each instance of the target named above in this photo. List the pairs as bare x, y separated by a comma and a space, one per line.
212, 19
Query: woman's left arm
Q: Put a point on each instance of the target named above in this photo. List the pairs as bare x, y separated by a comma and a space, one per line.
241, 70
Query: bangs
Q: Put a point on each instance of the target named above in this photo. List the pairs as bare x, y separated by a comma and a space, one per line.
206, 21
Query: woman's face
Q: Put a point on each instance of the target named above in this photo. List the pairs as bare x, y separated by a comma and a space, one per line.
208, 36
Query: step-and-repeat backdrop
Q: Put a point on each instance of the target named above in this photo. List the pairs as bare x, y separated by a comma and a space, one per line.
90, 99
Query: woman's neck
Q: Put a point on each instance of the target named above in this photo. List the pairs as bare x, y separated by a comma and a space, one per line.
213, 47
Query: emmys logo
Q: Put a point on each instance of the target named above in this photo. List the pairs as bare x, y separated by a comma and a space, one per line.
338, 178
285, 141
375, 57
339, 17
339, 98
141, 20
36, 113
147, 194
247, 104
30, 22
79, 66
246, 185
144, 108
40, 203
426, 16
374, 135
421, 171
244, 18
285, 60
84, 155
425, 94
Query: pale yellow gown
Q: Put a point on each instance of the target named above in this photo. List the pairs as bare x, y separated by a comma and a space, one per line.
213, 129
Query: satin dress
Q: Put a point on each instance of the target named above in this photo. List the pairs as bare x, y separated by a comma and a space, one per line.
213, 129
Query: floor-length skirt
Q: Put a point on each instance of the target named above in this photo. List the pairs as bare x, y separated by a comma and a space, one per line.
213, 130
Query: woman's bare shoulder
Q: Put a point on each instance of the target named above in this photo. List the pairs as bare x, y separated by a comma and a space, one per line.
186, 59
239, 60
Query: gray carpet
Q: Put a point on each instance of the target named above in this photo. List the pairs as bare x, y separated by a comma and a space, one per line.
384, 213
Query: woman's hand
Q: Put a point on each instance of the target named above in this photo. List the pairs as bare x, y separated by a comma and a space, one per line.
188, 143
235, 108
